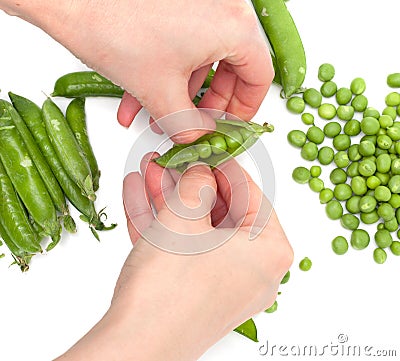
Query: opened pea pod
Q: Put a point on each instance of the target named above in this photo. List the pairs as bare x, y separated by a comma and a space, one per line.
231, 138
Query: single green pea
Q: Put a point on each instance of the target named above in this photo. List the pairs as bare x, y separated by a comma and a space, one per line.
359, 239
367, 204
379, 151
309, 151
366, 148
233, 139
395, 166
338, 176
353, 153
382, 194
392, 225
394, 200
297, 138
218, 144
383, 238
352, 170
315, 171
301, 175
305, 264
370, 125
328, 89
340, 245
383, 163
358, 86
358, 185
272, 308
379, 255
394, 184
394, 132
349, 221
386, 211
342, 192
391, 112
325, 195
371, 112
395, 248
334, 209
392, 150
327, 111
359, 103
332, 129
367, 167
204, 150
369, 218
352, 127
312, 97
341, 159
307, 118
392, 99
386, 120
316, 184
393, 80
381, 131
373, 181
369, 138
353, 204
315, 135
285, 278
325, 155
345, 112
380, 226
343, 95
384, 142
295, 104
341, 142
383, 177
326, 72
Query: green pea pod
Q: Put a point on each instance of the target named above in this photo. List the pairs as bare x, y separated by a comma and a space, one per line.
67, 148
208, 79
32, 116
85, 84
76, 118
248, 329
285, 41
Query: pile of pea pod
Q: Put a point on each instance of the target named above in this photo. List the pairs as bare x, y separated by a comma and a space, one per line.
46, 164
363, 159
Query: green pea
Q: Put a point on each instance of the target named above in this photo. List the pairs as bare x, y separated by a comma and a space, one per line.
379, 255
381, 131
392, 99
218, 144
394, 200
359, 103
338, 176
398, 215
328, 89
395, 166
309, 151
352, 127
345, 112
295, 104
373, 181
358, 86
367, 204
353, 204
315, 134
341, 159
371, 112
383, 238
341, 142
340, 245
394, 184
385, 120
285, 278
367, 167
383, 177
332, 129
352, 170
342, 192
383, 163
379, 151
325, 195
391, 112
307, 118
393, 80
369, 218
305, 264
312, 97
297, 138
334, 209
359, 239
395, 248
325, 155
233, 139
392, 225
392, 150
326, 72
384, 142
315, 171
382, 194
369, 138
316, 184
327, 111
272, 308
370, 125
343, 95
393, 132
204, 150
366, 148
353, 153
386, 211
358, 185
349, 221
301, 175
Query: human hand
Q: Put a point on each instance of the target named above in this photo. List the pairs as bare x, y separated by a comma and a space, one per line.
161, 51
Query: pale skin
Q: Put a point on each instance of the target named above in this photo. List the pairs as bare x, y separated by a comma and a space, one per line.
160, 52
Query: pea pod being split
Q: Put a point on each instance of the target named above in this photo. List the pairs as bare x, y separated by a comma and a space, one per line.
231, 138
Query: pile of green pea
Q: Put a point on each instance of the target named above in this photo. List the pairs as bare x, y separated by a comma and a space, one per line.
363, 159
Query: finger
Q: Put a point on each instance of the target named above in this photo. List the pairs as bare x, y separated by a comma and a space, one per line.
158, 181
197, 80
220, 214
128, 109
136, 204
154, 127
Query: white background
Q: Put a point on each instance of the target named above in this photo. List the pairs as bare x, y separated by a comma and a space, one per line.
43, 312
